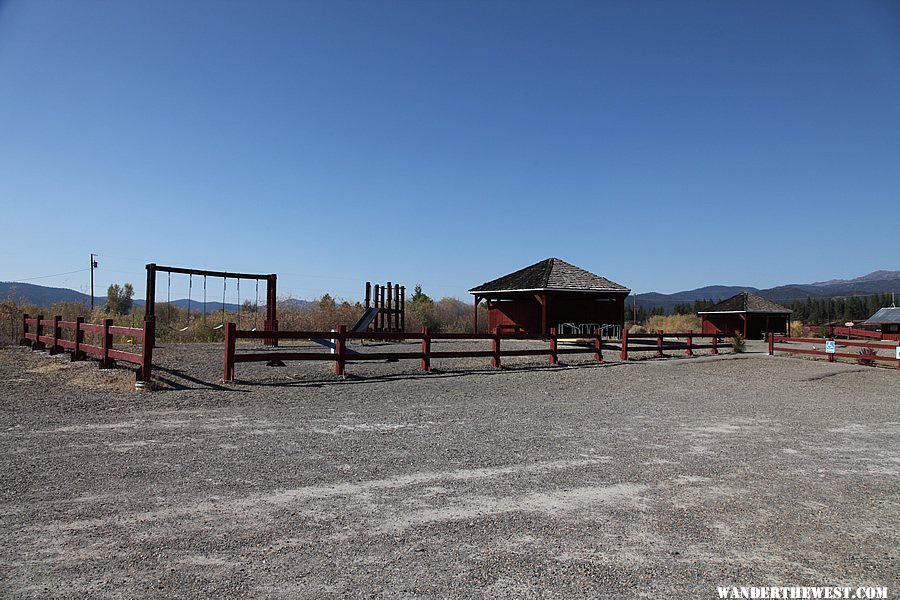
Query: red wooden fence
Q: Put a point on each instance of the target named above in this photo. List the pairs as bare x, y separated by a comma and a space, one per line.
776, 339
48, 334
341, 356
661, 341
856, 332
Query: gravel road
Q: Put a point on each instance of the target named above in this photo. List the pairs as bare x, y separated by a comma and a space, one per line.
656, 478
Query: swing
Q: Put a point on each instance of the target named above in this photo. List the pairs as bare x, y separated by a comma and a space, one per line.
224, 288
238, 303
169, 303
256, 308
190, 286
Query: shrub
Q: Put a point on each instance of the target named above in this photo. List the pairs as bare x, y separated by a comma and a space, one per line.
738, 344
865, 352
796, 329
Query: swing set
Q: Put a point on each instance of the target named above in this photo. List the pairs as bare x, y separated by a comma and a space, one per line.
271, 321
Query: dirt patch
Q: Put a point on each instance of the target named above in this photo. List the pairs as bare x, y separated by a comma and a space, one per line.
662, 478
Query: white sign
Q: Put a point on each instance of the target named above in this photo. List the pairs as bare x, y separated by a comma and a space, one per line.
898, 352
829, 346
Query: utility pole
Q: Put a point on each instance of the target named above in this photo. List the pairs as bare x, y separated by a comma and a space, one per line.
93, 266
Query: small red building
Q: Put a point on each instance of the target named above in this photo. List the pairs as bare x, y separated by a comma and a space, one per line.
552, 293
746, 314
887, 320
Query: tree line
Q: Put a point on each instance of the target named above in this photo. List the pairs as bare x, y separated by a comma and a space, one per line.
812, 311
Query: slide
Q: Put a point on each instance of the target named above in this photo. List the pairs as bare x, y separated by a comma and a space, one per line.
361, 325
366, 319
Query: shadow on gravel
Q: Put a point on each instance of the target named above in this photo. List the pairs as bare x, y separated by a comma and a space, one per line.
435, 374
178, 384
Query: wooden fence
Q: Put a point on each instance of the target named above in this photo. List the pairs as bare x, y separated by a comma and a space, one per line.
856, 332
776, 345
593, 345
660, 342
55, 336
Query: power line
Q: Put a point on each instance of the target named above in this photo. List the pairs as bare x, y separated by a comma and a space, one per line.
49, 276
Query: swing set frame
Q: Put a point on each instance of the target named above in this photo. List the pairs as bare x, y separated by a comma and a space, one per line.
271, 322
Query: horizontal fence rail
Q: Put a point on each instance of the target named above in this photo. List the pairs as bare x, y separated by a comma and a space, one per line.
56, 336
776, 344
660, 342
341, 355
856, 332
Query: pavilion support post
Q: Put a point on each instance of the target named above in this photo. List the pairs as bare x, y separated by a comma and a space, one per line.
744, 318
475, 315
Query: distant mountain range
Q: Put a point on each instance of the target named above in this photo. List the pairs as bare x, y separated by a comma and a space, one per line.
877, 282
40, 295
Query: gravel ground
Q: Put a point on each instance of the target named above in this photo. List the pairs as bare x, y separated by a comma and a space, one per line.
657, 478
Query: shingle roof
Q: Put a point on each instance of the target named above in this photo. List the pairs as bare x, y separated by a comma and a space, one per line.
551, 274
885, 315
749, 303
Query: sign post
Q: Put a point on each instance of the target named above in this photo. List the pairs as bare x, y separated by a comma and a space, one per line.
829, 349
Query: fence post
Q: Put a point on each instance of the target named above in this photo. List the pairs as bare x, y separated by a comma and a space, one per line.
426, 349
340, 341
624, 355
24, 340
147, 352
38, 332
771, 343
77, 353
57, 330
598, 345
106, 362
495, 360
659, 340
690, 343
715, 344
554, 347
228, 374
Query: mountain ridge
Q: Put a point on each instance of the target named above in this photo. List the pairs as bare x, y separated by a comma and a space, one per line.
876, 282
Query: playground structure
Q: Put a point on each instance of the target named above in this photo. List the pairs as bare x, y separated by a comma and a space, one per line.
390, 301
271, 320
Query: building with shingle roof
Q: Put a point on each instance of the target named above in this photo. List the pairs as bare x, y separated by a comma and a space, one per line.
551, 293
747, 314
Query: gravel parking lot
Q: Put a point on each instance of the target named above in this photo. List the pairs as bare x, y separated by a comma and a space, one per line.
654, 478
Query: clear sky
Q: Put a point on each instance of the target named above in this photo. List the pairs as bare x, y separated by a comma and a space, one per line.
665, 145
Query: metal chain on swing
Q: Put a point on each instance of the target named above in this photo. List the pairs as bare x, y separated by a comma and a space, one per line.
190, 287
169, 302
204, 299
256, 308
238, 303
224, 287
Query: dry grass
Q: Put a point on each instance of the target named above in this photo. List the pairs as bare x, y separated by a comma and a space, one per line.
109, 380
673, 323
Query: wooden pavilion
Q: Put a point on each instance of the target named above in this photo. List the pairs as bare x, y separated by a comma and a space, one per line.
746, 314
551, 293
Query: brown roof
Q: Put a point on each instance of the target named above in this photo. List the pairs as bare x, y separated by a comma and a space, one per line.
551, 274
748, 303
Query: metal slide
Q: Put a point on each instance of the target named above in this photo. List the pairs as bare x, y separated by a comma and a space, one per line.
366, 319
361, 325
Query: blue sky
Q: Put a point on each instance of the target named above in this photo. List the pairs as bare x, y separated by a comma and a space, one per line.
665, 145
